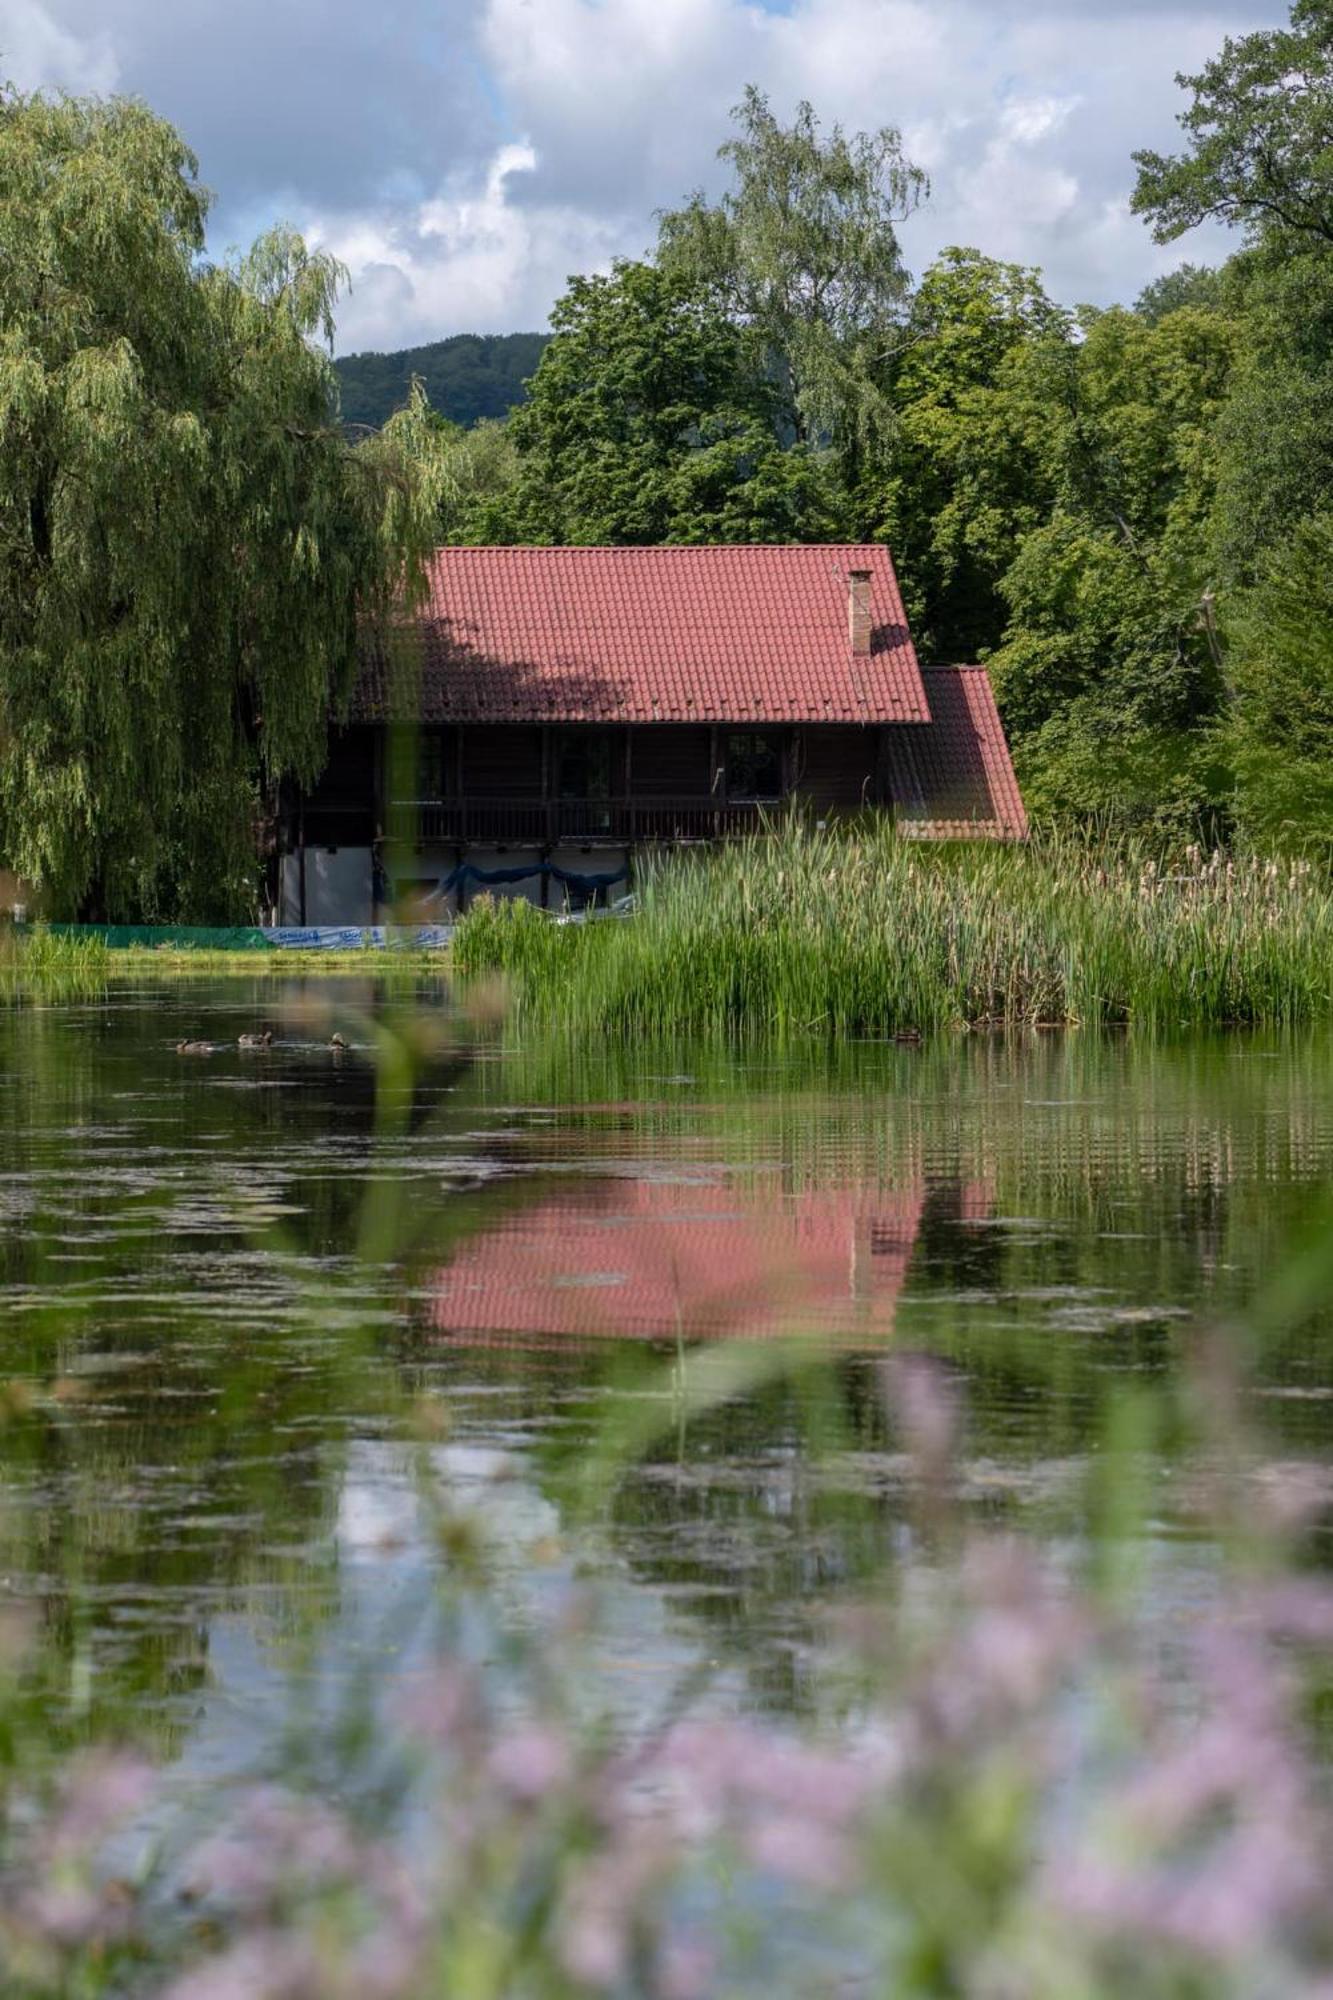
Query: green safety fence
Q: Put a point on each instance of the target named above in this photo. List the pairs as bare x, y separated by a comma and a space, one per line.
186, 937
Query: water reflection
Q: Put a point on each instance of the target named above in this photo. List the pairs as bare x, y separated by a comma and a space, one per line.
205, 1374
684, 1257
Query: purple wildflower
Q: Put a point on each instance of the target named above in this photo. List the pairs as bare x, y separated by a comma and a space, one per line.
532, 1762
922, 1403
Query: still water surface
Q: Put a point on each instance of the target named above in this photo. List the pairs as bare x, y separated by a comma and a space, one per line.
227, 1276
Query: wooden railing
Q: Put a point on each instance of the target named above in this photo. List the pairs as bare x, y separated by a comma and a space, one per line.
546, 822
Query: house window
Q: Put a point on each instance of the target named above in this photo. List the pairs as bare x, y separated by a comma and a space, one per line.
583, 765
754, 764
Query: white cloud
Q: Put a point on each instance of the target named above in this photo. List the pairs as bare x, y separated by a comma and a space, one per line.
465, 156
38, 53
469, 258
1026, 121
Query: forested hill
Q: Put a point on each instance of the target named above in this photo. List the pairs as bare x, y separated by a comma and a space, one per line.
468, 376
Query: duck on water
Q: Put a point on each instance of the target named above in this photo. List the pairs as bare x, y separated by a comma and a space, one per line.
262, 1039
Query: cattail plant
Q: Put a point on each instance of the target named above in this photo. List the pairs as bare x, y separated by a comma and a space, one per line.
863, 933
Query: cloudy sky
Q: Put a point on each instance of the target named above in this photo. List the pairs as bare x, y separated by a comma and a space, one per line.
464, 156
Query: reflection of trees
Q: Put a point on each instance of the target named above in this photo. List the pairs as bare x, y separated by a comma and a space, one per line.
189, 1342
1073, 1196
1032, 1211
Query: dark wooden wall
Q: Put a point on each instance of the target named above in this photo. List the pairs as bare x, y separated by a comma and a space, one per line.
503, 762
670, 761
340, 808
836, 766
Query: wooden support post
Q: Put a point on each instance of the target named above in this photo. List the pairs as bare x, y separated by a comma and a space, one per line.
548, 813
300, 838
548, 803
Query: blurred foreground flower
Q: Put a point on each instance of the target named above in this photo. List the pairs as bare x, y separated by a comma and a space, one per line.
1023, 1798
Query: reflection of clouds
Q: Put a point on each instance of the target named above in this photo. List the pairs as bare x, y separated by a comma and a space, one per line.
374, 1517
483, 1486
488, 1488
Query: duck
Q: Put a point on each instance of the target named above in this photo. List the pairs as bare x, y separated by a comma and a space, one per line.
336, 1041
261, 1040
194, 1048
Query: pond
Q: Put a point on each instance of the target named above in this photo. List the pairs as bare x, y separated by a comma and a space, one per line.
230, 1277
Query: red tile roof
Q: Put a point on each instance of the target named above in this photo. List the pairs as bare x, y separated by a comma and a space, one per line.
955, 779
654, 635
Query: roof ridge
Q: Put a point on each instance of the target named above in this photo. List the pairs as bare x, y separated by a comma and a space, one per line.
655, 548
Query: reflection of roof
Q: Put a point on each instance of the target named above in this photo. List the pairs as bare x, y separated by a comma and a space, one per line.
658, 1260
955, 779
655, 635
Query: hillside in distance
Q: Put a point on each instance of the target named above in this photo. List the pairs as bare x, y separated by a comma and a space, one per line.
468, 376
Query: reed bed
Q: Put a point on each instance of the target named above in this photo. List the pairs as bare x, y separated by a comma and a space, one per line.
34, 962
862, 933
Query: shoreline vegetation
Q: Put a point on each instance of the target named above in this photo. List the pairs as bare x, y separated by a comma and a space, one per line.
36, 961
850, 933
41, 962
863, 933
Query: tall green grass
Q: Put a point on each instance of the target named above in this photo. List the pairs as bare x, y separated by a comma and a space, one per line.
35, 962
866, 933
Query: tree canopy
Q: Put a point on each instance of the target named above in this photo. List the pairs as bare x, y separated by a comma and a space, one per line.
1123, 512
188, 543
802, 251
1260, 139
652, 419
966, 477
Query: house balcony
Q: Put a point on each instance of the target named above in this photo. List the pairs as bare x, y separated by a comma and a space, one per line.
595, 822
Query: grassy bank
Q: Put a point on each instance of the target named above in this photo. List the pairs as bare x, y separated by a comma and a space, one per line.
176, 960
47, 964
869, 934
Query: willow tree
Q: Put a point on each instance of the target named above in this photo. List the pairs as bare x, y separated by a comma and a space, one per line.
188, 544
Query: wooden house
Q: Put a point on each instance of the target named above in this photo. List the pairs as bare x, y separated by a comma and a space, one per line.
551, 712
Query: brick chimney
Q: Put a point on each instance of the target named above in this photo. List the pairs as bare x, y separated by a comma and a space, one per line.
858, 609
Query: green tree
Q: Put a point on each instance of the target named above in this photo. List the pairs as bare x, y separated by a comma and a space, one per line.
1282, 719
802, 252
1188, 285
1111, 674
648, 421
1275, 440
1260, 133
966, 478
187, 543
473, 471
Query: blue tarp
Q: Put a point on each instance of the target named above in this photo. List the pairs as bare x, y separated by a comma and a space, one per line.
467, 873
360, 937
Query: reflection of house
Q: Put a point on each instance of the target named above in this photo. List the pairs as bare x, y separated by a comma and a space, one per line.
661, 1260
569, 705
